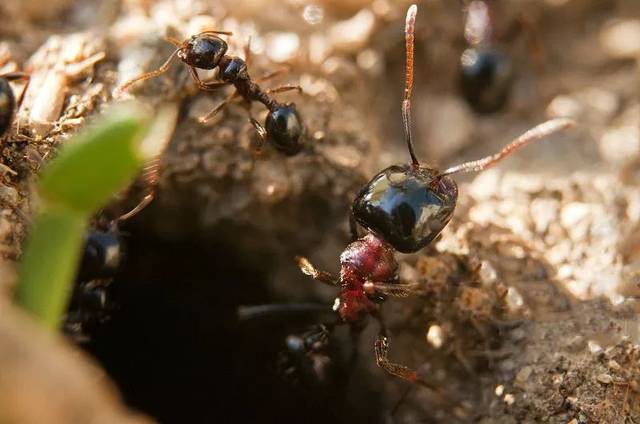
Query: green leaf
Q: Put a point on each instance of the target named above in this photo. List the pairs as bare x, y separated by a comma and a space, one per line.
89, 169
100, 161
49, 264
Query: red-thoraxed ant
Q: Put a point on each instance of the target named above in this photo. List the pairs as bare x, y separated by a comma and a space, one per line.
283, 127
403, 208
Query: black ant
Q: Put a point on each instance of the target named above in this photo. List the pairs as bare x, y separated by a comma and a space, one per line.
91, 302
403, 208
283, 127
486, 73
8, 99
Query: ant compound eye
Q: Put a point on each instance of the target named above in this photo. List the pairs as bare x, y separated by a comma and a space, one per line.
406, 206
7, 105
485, 79
205, 51
102, 256
285, 129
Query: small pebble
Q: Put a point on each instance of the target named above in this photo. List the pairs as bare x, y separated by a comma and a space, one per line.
604, 378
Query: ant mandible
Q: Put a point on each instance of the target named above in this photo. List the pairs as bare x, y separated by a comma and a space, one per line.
403, 208
283, 127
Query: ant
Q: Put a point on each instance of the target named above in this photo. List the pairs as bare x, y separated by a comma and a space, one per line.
8, 99
486, 73
91, 301
283, 127
403, 208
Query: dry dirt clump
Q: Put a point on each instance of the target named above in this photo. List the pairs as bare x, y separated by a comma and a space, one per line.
527, 306
500, 331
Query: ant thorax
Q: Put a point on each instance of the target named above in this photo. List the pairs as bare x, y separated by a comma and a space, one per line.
366, 260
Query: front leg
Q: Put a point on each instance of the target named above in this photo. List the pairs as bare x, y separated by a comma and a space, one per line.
382, 357
307, 268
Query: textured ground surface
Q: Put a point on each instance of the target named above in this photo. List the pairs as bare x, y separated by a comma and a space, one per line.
527, 311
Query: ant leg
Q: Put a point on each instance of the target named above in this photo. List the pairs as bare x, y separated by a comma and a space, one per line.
247, 51
261, 131
284, 88
13, 76
216, 32
218, 108
382, 357
151, 177
205, 86
280, 71
391, 289
173, 41
307, 268
161, 70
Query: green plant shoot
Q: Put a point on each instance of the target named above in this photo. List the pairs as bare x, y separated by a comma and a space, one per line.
89, 169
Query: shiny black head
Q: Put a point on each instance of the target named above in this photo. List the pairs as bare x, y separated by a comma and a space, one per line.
406, 205
233, 69
203, 51
7, 105
485, 79
285, 129
102, 256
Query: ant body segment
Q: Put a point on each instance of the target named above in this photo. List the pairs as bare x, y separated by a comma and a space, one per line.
403, 208
91, 301
283, 126
8, 99
486, 73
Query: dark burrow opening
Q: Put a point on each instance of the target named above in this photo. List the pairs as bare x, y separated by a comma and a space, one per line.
176, 351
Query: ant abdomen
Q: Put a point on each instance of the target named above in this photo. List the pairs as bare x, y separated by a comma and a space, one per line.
7, 105
407, 206
285, 129
204, 51
485, 78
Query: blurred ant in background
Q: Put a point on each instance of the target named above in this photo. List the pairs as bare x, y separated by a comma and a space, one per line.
102, 258
403, 208
283, 127
8, 101
91, 301
487, 72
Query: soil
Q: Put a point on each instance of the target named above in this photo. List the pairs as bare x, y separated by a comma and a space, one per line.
526, 309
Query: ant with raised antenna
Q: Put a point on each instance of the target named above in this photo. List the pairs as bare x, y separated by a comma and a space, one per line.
403, 208
283, 127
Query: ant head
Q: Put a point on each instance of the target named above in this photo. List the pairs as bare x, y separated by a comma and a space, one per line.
102, 256
485, 78
203, 51
407, 206
285, 129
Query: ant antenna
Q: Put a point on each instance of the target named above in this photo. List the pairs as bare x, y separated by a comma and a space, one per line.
536, 133
161, 70
409, 31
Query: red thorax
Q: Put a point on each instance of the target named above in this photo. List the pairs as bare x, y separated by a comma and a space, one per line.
368, 259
